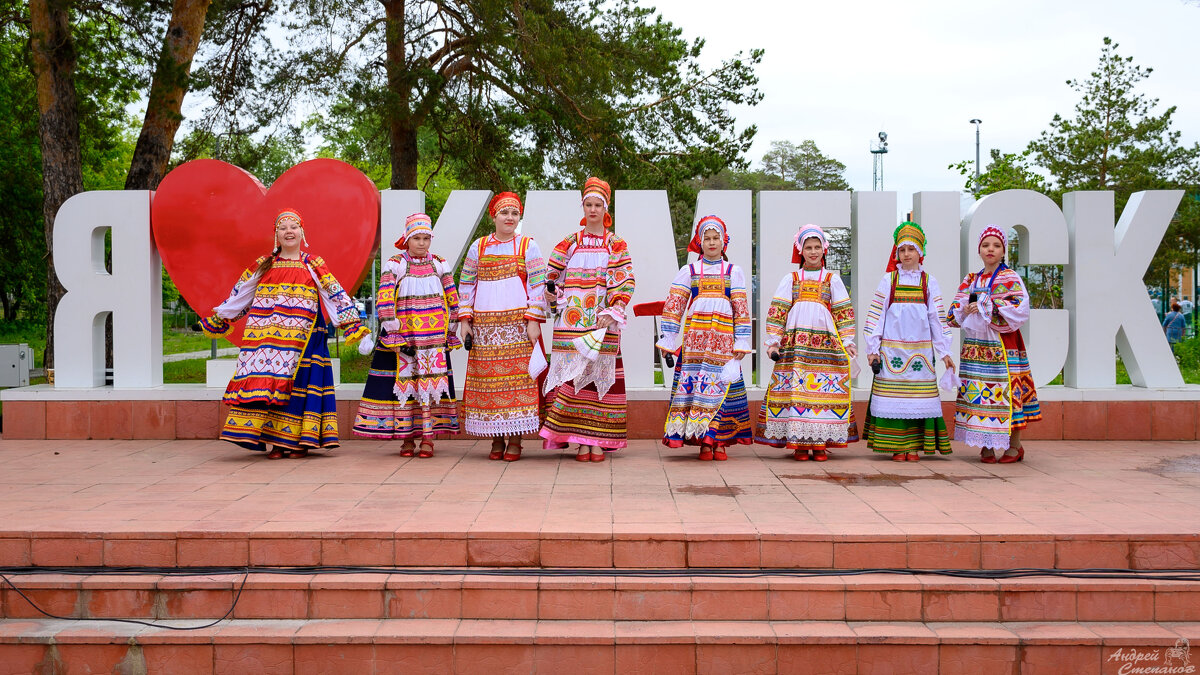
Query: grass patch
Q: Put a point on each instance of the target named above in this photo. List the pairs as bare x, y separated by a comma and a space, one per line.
180, 341
191, 371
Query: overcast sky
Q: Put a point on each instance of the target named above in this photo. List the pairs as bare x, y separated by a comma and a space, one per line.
840, 72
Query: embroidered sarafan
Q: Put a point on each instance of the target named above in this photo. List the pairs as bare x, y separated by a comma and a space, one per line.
706, 318
411, 395
500, 290
905, 326
997, 393
282, 391
585, 382
807, 404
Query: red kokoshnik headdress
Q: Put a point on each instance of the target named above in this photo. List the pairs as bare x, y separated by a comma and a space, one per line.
709, 223
594, 187
287, 214
504, 200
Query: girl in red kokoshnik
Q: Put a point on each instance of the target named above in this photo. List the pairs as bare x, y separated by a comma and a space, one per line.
593, 278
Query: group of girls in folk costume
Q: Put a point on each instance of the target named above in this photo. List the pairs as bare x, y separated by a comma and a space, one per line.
905, 335
996, 399
409, 393
706, 320
810, 336
281, 397
501, 308
592, 277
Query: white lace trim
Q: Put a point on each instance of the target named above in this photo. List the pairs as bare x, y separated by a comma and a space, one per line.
669, 342
808, 432
576, 367
424, 396
906, 409
997, 440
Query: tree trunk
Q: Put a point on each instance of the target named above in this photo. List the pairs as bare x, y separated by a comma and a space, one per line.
167, 90
402, 127
54, 59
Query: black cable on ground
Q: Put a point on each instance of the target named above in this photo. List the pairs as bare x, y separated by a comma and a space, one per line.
562, 572
715, 572
139, 622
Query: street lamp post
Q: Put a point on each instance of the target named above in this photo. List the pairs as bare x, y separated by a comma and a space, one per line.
976, 122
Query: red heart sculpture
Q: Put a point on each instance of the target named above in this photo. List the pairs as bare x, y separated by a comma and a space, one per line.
210, 220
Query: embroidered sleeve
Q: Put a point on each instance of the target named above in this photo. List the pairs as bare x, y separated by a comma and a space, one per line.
347, 316
1009, 303
556, 264
678, 298
843, 309
938, 328
236, 305
954, 311
385, 302
619, 277
451, 298
466, 282
535, 283
742, 325
873, 326
777, 313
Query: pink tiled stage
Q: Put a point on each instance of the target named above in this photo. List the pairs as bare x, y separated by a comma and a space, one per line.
1071, 504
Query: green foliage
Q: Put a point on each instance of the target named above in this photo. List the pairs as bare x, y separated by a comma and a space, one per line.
22, 244
1008, 171
266, 157
803, 167
1115, 141
107, 80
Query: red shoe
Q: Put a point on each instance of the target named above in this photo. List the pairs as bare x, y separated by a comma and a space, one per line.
497, 449
719, 454
426, 450
819, 456
706, 453
408, 449
899, 457
275, 453
1013, 459
513, 453
597, 457
582, 456
800, 455
987, 458
913, 457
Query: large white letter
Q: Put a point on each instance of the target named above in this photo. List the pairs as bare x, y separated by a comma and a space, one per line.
736, 209
643, 219
1043, 241
873, 215
780, 215
1105, 293
452, 233
132, 293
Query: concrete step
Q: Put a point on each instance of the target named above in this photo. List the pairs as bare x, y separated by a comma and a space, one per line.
647, 548
862, 597
583, 647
